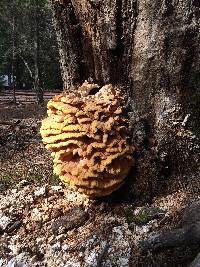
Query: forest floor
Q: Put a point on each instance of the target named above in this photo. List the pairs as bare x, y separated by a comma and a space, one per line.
43, 223
22, 155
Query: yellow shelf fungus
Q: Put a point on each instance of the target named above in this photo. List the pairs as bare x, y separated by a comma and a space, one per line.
87, 134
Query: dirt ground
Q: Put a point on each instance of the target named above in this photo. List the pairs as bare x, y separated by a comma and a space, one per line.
24, 158
22, 155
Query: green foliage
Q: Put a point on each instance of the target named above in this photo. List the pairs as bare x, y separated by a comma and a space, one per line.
140, 218
39, 179
143, 215
54, 180
21, 14
6, 181
35, 177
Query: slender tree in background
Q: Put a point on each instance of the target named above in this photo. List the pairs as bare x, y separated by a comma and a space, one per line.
13, 56
37, 86
35, 52
151, 49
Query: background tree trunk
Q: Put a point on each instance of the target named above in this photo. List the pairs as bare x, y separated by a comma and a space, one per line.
37, 86
13, 58
150, 48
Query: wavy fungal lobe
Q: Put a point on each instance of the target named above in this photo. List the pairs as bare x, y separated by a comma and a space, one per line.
87, 134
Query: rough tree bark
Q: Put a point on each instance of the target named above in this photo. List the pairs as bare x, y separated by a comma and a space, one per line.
150, 48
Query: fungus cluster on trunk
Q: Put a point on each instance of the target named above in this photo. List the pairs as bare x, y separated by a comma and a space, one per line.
86, 130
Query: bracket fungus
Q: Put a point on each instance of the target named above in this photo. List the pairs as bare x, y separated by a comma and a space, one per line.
86, 130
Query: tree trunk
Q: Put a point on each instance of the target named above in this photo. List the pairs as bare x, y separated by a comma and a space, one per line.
37, 88
13, 58
150, 48
9, 78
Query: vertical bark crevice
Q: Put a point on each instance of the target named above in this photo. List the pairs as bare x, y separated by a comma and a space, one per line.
100, 46
69, 37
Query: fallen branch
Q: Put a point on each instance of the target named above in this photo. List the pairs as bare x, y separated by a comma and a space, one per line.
185, 236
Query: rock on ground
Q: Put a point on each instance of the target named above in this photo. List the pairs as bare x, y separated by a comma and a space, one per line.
54, 226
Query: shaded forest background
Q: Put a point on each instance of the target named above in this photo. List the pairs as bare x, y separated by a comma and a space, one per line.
28, 48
